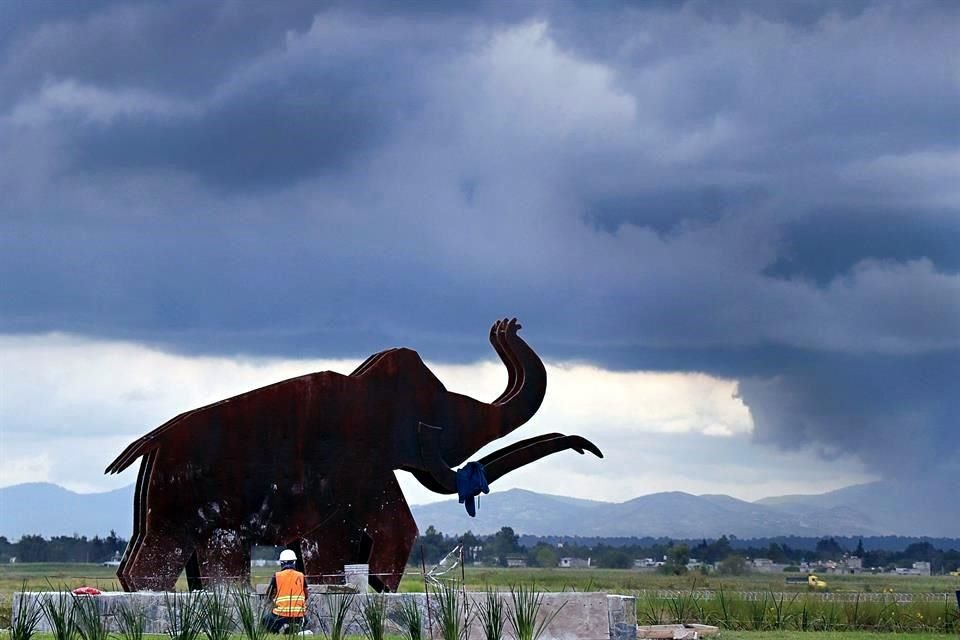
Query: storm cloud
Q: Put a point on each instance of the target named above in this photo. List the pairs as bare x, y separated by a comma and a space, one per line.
768, 192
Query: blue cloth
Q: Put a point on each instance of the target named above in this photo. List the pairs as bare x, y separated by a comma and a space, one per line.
471, 480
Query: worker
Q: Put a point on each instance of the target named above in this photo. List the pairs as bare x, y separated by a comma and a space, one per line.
288, 590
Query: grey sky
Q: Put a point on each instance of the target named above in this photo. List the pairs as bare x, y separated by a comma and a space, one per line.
766, 192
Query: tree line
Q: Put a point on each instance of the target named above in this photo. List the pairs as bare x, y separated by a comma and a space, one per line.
497, 548
36, 548
504, 545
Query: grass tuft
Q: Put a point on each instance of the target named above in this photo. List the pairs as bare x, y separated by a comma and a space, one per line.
492, 615
218, 618
411, 619
25, 616
451, 611
185, 615
373, 616
525, 619
338, 606
88, 618
249, 616
131, 620
58, 609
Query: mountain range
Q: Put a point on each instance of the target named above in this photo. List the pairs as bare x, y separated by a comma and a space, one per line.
877, 508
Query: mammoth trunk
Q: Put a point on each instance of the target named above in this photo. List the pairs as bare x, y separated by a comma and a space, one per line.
476, 424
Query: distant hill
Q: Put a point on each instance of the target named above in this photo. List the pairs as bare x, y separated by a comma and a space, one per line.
900, 508
672, 514
50, 510
873, 509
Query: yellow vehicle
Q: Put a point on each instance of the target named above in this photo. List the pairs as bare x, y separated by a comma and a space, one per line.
815, 582
812, 581
955, 573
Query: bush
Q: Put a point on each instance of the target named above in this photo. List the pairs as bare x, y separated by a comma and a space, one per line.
526, 610
28, 611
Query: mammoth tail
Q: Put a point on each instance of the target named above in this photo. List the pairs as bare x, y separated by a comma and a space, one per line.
144, 445
136, 449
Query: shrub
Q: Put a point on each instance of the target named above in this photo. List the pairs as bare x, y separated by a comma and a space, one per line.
452, 612
411, 620
58, 609
131, 620
526, 609
373, 617
338, 604
89, 621
218, 620
185, 615
249, 617
492, 615
25, 615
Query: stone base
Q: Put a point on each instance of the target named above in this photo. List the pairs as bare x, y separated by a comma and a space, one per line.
582, 616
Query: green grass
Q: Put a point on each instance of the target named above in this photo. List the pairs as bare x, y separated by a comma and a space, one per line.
724, 635
40, 575
785, 612
823, 635
625, 581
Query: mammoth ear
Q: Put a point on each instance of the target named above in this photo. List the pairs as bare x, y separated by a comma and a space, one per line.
434, 469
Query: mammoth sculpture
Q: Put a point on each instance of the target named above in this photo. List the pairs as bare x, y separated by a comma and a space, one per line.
309, 463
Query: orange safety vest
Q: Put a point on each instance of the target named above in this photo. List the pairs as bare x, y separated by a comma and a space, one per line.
291, 600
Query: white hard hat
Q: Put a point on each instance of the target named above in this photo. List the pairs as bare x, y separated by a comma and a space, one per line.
287, 555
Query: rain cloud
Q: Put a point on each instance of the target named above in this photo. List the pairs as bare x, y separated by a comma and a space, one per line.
766, 192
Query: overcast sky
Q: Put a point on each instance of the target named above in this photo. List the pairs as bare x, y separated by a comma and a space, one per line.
732, 229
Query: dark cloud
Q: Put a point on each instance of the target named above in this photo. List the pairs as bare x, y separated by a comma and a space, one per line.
179, 48
668, 209
823, 245
895, 413
760, 190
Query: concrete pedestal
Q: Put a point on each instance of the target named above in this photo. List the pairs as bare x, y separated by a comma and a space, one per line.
582, 616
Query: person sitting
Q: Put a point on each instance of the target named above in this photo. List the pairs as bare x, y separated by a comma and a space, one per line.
288, 590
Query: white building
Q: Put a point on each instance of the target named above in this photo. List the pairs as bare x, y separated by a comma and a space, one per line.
574, 563
918, 569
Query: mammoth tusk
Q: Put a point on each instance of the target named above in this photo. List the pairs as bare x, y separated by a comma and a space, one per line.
436, 475
502, 462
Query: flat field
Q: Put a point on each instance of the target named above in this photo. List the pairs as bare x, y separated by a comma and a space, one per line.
42, 576
823, 635
724, 635
757, 606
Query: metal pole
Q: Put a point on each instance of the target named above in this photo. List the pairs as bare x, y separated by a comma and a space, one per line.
426, 591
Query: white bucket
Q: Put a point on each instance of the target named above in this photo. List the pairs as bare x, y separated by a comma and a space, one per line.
357, 576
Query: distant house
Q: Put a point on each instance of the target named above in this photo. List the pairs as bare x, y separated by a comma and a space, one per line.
574, 563
516, 561
852, 565
918, 569
766, 565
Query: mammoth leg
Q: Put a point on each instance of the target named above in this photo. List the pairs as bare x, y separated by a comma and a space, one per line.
224, 558
139, 519
326, 549
393, 531
381, 534
156, 564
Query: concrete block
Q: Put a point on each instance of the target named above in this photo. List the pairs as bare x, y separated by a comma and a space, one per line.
579, 616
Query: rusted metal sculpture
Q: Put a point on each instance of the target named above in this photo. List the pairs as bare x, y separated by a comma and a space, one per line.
309, 463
